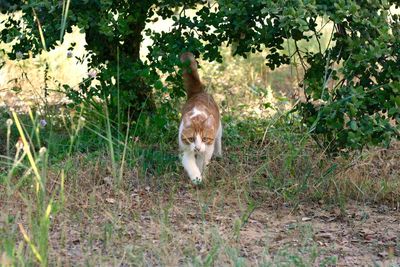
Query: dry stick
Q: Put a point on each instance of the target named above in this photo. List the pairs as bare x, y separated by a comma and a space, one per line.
303, 64
319, 43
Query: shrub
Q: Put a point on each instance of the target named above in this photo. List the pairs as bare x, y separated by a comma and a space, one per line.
355, 78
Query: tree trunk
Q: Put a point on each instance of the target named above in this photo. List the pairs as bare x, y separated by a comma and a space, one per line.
135, 94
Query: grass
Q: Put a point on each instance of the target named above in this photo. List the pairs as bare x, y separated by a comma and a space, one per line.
111, 199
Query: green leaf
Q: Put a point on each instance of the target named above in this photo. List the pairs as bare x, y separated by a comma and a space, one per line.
353, 125
158, 85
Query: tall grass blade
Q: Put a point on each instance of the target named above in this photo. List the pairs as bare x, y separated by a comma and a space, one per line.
9, 123
121, 169
42, 39
118, 92
110, 143
64, 18
27, 150
31, 245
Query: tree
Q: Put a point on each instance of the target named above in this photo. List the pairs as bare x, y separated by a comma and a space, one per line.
356, 78
113, 34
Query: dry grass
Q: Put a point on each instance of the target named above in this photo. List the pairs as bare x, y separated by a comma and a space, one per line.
273, 203
23, 82
183, 225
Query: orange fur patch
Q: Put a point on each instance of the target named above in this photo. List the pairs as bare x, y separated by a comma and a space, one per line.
200, 114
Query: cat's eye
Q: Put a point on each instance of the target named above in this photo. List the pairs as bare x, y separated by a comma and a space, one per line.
190, 139
206, 139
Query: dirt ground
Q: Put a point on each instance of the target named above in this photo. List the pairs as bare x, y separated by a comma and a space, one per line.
192, 225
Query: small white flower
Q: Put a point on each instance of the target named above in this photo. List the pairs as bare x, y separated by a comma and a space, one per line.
92, 74
42, 151
9, 122
19, 145
81, 123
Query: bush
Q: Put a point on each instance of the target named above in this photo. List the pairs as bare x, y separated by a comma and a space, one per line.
354, 78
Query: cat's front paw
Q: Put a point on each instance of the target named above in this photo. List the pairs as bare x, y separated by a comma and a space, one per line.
197, 180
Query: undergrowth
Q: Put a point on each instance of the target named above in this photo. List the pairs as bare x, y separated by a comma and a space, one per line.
74, 165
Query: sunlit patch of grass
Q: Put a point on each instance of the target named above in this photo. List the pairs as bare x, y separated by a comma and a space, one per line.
24, 83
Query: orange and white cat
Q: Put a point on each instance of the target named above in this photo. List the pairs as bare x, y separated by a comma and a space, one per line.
200, 130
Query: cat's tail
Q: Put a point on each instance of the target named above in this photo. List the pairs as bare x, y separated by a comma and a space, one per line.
191, 77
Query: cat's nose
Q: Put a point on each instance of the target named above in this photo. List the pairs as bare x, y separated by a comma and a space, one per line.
196, 149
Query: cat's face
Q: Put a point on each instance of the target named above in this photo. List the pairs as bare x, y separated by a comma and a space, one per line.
198, 131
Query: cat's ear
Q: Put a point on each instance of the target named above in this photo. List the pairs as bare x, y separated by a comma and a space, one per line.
186, 121
209, 121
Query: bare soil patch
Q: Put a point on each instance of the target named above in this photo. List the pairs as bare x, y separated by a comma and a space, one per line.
189, 225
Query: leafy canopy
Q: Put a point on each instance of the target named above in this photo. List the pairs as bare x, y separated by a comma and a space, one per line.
355, 78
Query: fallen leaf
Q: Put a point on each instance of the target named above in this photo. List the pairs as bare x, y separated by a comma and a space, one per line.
368, 234
108, 180
366, 231
368, 237
337, 212
110, 200
383, 254
324, 236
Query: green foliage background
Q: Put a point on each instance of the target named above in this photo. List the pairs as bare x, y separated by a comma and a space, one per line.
355, 78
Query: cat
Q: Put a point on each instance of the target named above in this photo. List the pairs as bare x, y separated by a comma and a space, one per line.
200, 130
